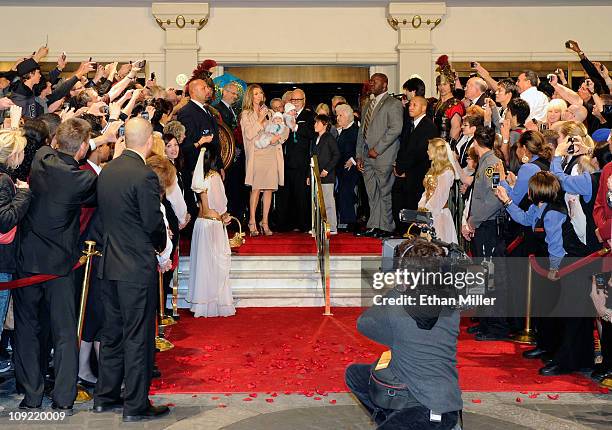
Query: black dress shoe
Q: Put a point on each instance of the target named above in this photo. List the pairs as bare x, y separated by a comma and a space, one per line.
85, 383
490, 337
601, 374
553, 369
24, 405
366, 233
66, 409
108, 407
534, 353
151, 413
382, 234
475, 329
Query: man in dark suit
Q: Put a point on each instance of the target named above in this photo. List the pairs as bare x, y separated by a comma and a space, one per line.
294, 204
412, 161
134, 230
475, 91
49, 237
346, 170
237, 192
200, 129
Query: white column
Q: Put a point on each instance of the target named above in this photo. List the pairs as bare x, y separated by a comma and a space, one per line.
414, 23
181, 22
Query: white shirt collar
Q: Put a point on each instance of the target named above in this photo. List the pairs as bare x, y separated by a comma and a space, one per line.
379, 97
299, 112
94, 166
345, 128
199, 104
418, 120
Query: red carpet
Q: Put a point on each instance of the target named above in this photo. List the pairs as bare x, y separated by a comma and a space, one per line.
302, 244
299, 350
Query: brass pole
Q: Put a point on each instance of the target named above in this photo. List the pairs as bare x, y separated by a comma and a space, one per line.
160, 342
90, 251
163, 319
526, 336
175, 286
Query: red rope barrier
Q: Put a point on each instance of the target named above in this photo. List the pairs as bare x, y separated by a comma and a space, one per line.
570, 267
32, 280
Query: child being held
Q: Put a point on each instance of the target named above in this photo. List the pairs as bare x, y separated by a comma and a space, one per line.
276, 127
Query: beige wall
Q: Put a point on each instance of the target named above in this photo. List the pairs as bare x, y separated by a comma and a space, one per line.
307, 35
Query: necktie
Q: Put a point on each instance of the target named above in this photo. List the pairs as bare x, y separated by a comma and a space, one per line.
368, 117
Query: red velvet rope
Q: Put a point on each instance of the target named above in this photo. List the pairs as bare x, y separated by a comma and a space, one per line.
32, 280
570, 267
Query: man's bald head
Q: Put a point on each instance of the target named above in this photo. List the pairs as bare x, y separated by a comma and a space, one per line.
417, 106
139, 135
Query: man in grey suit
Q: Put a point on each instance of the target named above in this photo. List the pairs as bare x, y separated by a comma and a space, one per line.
377, 146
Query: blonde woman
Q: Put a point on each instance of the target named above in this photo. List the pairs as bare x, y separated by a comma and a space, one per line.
554, 111
576, 164
438, 183
264, 165
14, 202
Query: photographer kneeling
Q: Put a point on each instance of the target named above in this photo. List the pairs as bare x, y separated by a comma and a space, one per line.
415, 384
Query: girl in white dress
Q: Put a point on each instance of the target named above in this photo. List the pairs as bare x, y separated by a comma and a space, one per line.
438, 183
209, 292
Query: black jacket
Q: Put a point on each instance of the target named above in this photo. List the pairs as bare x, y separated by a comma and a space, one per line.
129, 206
347, 144
297, 147
50, 230
226, 114
14, 205
24, 97
197, 123
412, 158
328, 155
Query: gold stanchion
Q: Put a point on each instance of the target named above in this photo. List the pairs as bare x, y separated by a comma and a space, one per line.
175, 287
89, 252
164, 320
526, 336
160, 342
606, 383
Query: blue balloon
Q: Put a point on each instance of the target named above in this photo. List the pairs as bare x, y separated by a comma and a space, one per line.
226, 78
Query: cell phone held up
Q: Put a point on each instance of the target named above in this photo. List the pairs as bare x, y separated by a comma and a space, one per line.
602, 280
495, 179
140, 64
572, 147
122, 130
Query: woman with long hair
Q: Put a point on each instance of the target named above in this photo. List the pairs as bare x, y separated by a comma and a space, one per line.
14, 202
438, 182
210, 294
264, 164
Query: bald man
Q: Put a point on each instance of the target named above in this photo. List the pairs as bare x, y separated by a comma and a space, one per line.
377, 146
412, 161
134, 231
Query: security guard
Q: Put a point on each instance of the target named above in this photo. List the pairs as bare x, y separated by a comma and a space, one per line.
482, 225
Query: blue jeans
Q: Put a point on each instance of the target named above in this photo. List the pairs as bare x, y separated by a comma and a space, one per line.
4, 298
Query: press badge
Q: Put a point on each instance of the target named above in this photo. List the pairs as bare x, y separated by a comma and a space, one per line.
435, 418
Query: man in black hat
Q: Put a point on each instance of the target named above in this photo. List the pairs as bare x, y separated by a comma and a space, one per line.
28, 88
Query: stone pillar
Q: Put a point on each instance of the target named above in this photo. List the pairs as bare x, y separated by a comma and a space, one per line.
414, 23
181, 22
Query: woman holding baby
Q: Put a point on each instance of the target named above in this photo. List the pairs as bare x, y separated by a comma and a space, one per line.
263, 136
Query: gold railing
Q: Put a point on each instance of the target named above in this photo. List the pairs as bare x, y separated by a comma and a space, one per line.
320, 231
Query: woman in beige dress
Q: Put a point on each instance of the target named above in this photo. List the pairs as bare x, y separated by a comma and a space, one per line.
264, 156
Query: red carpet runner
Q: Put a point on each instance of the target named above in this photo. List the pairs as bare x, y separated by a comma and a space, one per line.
302, 244
298, 350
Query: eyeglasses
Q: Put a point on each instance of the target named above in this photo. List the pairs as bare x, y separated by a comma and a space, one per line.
232, 92
296, 100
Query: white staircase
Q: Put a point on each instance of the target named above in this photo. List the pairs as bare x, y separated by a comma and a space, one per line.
288, 280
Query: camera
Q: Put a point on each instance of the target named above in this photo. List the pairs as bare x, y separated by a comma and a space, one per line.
550, 77
145, 115
140, 64
495, 179
122, 130
473, 64
601, 280
607, 110
104, 109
